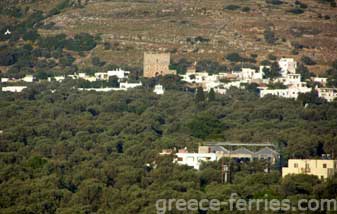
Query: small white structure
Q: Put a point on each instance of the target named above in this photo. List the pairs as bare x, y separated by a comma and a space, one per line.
59, 78
288, 66
119, 73
14, 89
28, 78
159, 89
250, 74
7, 32
102, 89
4, 79
126, 85
101, 76
291, 92
289, 79
194, 159
321, 80
330, 94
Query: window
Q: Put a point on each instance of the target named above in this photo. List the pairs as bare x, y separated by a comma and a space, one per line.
324, 165
295, 165
180, 159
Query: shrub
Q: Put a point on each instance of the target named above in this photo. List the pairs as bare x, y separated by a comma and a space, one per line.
270, 37
307, 60
275, 2
232, 7
296, 11
234, 57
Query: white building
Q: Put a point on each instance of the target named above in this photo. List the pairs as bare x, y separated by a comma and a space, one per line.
126, 85
291, 92
101, 76
102, 89
288, 66
321, 80
4, 79
13, 88
28, 78
59, 78
194, 159
250, 74
330, 94
289, 79
159, 89
119, 73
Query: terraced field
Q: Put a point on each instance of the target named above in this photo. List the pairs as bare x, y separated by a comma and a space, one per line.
135, 26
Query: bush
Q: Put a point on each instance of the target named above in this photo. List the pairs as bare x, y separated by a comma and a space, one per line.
232, 7
7, 58
275, 2
81, 42
296, 11
245, 9
308, 61
269, 36
234, 57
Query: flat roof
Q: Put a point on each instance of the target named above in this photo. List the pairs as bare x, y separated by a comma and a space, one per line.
239, 144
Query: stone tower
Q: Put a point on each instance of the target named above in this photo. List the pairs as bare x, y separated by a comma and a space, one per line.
157, 64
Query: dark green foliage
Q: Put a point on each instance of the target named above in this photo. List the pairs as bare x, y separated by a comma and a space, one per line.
7, 57
304, 71
53, 42
270, 37
274, 2
211, 95
296, 11
203, 126
71, 151
30, 36
180, 66
273, 72
81, 42
210, 66
307, 60
234, 57
200, 96
232, 7
96, 61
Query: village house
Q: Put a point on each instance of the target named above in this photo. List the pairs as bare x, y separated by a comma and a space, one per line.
290, 92
321, 80
215, 153
330, 94
127, 85
13, 88
159, 89
288, 66
323, 169
119, 73
193, 159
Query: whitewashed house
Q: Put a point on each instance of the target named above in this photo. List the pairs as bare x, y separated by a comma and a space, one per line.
159, 89
322, 80
290, 92
288, 66
119, 73
14, 89
194, 159
4, 79
249, 74
330, 94
28, 78
101, 76
126, 85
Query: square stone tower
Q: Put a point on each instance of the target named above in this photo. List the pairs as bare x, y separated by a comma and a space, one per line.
157, 64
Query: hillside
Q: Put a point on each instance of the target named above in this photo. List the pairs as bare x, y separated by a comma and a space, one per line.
201, 29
